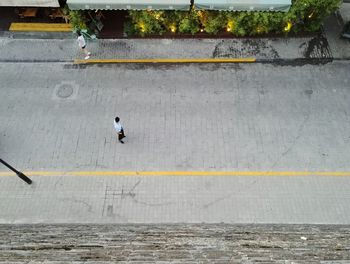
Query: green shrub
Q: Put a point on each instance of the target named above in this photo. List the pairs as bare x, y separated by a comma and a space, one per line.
76, 18
213, 21
189, 23
243, 24
304, 15
276, 21
146, 22
234, 23
308, 15
129, 28
171, 20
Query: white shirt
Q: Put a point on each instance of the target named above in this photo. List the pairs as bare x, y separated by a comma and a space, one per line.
81, 41
118, 127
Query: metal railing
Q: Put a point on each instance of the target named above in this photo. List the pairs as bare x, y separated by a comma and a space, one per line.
18, 173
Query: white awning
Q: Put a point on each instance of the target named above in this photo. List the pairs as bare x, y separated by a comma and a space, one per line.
244, 5
37, 3
132, 5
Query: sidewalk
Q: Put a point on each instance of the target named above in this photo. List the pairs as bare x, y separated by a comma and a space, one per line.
333, 27
66, 50
321, 48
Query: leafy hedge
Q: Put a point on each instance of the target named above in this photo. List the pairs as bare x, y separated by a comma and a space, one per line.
76, 18
304, 15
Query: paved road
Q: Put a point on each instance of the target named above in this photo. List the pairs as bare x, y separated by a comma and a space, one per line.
186, 244
228, 117
188, 117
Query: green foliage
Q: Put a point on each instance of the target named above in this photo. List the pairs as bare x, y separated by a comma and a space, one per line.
76, 18
146, 22
129, 28
276, 21
189, 23
213, 21
237, 22
303, 16
308, 15
171, 20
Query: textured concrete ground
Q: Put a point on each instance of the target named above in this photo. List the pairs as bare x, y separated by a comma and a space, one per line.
262, 49
252, 117
177, 199
134, 244
344, 11
333, 26
192, 117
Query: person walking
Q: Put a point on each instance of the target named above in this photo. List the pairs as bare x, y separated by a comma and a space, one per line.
118, 127
82, 45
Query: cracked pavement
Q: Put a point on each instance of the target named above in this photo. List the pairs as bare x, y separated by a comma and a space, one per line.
223, 117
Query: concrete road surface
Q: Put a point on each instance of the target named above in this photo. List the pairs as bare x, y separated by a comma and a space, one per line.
56, 124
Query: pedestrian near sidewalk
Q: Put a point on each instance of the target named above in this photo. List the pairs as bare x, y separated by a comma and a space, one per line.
82, 45
119, 128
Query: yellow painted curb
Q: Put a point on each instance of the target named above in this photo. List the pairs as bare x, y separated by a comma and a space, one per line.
182, 173
203, 60
43, 27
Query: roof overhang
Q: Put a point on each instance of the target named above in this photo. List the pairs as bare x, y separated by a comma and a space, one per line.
129, 5
29, 3
244, 5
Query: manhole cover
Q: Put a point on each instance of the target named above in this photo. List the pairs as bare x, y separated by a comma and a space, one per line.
65, 90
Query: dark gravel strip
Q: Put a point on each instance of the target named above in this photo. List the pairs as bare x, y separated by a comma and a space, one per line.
185, 243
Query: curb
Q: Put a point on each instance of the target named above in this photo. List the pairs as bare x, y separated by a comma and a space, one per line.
36, 61
280, 62
297, 61
36, 35
183, 173
186, 60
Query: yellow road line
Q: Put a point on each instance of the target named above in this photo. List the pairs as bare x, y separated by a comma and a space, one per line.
42, 27
189, 60
182, 173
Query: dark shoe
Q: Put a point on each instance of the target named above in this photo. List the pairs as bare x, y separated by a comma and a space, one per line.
121, 141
